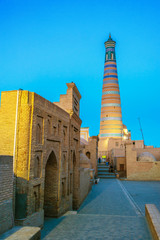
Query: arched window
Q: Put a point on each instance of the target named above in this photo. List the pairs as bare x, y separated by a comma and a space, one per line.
88, 154
37, 168
112, 56
39, 134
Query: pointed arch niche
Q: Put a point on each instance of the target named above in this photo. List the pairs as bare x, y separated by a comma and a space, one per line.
51, 186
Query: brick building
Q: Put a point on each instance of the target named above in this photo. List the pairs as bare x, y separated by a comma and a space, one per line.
89, 146
134, 160
44, 140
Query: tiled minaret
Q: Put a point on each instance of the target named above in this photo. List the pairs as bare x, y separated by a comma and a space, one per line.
111, 116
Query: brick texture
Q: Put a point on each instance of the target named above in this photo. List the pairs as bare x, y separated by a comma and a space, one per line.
46, 153
6, 193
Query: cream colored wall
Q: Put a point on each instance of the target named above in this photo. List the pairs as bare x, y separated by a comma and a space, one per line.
140, 170
92, 147
154, 151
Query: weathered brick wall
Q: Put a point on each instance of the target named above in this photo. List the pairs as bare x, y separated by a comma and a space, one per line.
6, 193
43, 130
36, 219
85, 184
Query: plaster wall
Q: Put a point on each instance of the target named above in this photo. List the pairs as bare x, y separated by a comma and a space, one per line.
85, 184
136, 170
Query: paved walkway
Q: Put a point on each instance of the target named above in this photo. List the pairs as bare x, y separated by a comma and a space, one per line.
112, 210
144, 192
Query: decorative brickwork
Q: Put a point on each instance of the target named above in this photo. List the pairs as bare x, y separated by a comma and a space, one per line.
44, 140
111, 125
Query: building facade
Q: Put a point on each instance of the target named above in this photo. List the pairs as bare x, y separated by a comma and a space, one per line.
44, 140
89, 146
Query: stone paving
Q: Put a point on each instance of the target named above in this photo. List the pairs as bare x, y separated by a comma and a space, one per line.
107, 213
144, 192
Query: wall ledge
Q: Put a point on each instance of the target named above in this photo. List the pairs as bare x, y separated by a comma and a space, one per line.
153, 219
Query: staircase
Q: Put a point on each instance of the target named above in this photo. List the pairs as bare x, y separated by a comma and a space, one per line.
103, 172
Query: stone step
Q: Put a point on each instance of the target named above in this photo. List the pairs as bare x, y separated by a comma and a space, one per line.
103, 170
105, 167
107, 177
104, 164
104, 174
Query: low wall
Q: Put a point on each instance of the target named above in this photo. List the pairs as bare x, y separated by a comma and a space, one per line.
85, 184
6, 193
36, 220
137, 170
153, 219
26, 233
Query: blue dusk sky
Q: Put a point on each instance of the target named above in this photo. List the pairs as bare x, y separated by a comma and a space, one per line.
45, 44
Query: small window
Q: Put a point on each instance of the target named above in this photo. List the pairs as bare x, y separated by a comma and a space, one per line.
133, 143
117, 144
112, 56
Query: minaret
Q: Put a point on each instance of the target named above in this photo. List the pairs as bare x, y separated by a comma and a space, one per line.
111, 117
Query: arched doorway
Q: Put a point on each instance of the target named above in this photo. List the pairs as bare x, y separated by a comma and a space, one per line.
51, 186
74, 182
